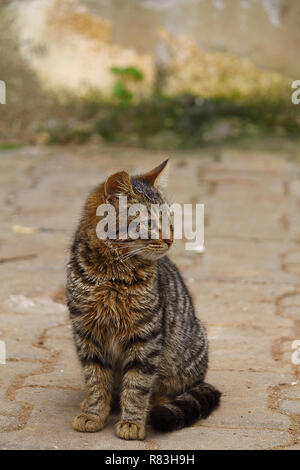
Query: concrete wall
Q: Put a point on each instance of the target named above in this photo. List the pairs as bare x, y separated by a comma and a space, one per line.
73, 43
266, 31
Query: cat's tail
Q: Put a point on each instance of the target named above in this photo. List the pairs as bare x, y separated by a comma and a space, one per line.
186, 409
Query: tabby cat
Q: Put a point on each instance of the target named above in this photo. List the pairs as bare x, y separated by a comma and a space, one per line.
135, 330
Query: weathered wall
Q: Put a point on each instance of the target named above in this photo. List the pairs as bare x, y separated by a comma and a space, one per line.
266, 31
73, 43
70, 48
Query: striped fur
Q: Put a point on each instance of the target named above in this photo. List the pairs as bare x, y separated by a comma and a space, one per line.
135, 330
184, 410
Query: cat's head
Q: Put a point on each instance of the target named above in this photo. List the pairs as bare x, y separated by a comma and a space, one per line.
146, 232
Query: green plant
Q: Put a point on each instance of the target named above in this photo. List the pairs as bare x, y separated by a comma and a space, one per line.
130, 71
9, 146
188, 121
125, 77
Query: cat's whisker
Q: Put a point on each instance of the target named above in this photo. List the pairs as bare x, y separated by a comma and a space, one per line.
121, 243
132, 253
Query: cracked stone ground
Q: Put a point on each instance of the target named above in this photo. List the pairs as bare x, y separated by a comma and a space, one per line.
246, 288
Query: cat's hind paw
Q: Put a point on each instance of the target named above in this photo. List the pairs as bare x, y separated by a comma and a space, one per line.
127, 430
85, 422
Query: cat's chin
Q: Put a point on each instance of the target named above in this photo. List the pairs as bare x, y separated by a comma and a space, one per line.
153, 255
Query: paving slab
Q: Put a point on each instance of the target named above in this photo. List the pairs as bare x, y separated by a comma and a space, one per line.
246, 289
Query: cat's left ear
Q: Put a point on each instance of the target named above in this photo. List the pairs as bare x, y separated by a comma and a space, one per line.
158, 177
116, 184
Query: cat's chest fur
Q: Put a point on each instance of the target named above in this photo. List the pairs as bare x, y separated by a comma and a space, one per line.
118, 306
112, 302
113, 316
114, 308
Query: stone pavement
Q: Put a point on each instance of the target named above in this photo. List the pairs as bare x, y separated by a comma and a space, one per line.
246, 288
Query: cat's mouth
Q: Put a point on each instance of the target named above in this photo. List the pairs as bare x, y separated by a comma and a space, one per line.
156, 250
150, 251
164, 245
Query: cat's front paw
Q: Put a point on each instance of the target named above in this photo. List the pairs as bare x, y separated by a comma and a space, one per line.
127, 430
84, 404
85, 422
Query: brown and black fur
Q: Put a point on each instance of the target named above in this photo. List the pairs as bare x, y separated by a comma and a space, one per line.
135, 329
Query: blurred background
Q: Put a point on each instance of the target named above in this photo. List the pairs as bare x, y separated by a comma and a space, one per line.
151, 73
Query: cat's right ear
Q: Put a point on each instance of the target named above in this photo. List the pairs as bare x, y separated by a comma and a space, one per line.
117, 184
158, 177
